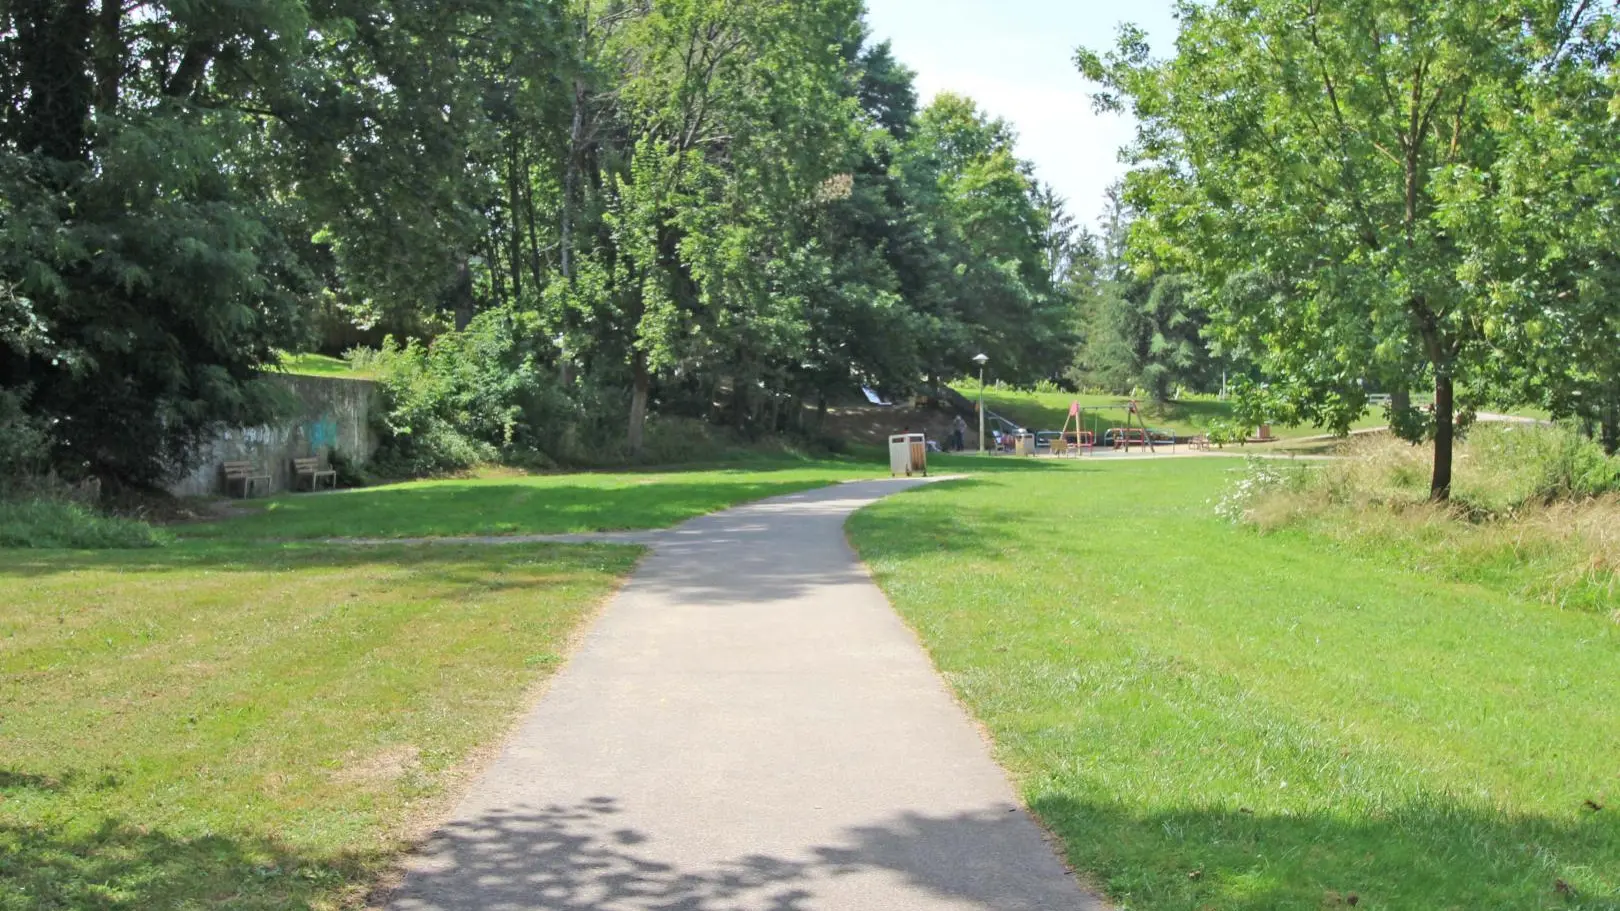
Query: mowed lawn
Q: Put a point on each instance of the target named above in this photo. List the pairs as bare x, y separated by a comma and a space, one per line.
250, 727
1192, 416
510, 503
1212, 718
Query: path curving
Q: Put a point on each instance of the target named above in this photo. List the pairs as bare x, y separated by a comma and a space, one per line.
747, 727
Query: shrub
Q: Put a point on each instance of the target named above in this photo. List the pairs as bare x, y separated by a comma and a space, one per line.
349, 473
1221, 432
1513, 467
461, 400
54, 523
24, 443
1261, 479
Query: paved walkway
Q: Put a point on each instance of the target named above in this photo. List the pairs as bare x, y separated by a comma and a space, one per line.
748, 727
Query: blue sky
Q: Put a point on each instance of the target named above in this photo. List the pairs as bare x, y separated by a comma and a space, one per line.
1015, 58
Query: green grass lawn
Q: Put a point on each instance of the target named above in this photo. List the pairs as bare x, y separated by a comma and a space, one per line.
321, 365
211, 726
508, 503
1049, 410
1210, 717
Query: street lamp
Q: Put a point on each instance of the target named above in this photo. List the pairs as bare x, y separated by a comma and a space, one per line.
981, 360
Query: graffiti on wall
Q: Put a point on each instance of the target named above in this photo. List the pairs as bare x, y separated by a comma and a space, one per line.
322, 434
332, 418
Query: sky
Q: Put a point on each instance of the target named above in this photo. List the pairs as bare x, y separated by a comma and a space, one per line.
1016, 59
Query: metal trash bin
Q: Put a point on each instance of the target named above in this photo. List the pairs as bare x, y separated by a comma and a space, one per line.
1024, 444
908, 454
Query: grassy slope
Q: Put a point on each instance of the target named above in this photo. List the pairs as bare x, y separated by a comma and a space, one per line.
1049, 410
209, 726
1212, 718
321, 365
510, 503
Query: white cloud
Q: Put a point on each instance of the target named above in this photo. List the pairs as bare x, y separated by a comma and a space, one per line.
1016, 59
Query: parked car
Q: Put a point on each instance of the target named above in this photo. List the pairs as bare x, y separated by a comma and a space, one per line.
1044, 438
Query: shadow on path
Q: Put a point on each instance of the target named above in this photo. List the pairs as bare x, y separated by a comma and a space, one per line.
576, 858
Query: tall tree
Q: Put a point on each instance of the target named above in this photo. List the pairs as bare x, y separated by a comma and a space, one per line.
1542, 228
162, 277
1304, 140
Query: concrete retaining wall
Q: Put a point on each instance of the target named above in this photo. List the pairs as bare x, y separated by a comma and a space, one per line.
330, 414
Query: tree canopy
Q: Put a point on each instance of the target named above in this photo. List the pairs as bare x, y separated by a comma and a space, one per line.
1307, 162
719, 208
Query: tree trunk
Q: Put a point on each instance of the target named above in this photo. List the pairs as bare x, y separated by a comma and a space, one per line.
739, 405
515, 228
110, 51
53, 49
571, 182
640, 388
461, 295
1400, 400
1611, 427
1444, 437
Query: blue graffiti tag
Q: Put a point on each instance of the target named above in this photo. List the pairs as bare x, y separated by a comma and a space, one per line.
322, 434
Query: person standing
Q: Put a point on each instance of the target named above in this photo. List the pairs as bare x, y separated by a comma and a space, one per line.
959, 434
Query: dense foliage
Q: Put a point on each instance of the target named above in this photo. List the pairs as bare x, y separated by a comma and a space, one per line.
1144, 327
1378, 194
725, 210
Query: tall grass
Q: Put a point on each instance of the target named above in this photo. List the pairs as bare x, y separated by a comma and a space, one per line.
42, 522
1534, 511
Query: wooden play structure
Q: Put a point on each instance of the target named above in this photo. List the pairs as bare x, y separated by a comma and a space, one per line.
1075, 438
1134, 433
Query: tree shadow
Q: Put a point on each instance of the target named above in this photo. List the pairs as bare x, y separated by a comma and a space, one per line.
1439, 853
974, 464
579, 857
122, 865
583, 857
457, 566
451, 509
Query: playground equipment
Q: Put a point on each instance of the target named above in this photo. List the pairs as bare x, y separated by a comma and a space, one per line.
1135, 432
1080, 440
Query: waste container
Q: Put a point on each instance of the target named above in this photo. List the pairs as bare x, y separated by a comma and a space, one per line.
908, 454
1024, 444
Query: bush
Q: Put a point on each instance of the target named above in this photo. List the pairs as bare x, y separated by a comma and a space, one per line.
461, 400
24, 444
1262, 480
1500, 470
1222, 432
350, 474
1513, 467
490, 393
55, 523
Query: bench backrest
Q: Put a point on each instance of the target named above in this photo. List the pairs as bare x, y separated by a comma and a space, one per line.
237, 470
307, 466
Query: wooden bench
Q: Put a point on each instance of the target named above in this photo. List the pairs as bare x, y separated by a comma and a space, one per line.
1201, 441
311, 468
246, 474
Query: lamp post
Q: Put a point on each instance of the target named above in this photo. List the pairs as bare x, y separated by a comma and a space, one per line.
981, 360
